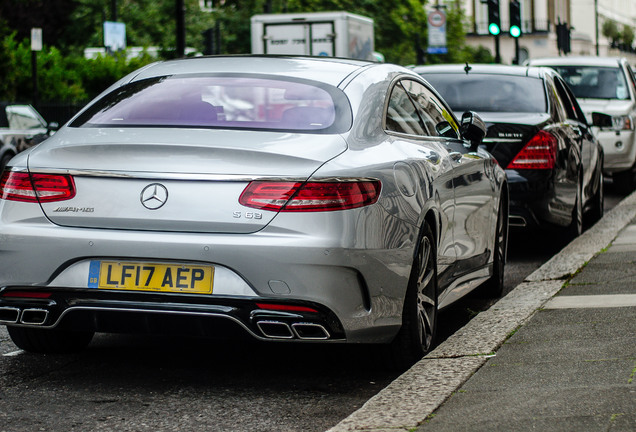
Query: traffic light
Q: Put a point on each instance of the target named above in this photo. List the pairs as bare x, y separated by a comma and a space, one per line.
494, 25
515, 18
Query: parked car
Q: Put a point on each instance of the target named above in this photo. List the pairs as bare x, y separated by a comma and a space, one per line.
21, 127
538, 133
605, 84
310, 200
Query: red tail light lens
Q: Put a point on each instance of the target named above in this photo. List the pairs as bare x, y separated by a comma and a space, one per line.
539, 153
19, 186
285, 308
311, 196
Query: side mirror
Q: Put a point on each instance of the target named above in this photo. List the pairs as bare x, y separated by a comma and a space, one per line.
604, 121
473, 129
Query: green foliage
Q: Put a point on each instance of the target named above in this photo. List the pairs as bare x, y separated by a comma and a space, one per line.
610, 30
70, 78
627, 35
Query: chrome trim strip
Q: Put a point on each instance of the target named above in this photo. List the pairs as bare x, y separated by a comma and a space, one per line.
141, 175
502, 140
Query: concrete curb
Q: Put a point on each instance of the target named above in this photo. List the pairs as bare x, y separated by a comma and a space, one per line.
412, 397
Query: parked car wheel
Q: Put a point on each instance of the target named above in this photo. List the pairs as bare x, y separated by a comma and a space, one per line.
419, 318
494, 287
49, 340
576, 226
625, 181
597, 210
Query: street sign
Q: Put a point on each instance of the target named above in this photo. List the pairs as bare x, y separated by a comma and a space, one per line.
114, 36
437, 32
36, 39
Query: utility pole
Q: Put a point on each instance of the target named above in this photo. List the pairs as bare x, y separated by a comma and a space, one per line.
181, 36
596, 23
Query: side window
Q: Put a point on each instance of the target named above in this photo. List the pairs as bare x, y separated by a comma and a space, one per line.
401, 114
437, 120
21, 117
570, 111
555, 101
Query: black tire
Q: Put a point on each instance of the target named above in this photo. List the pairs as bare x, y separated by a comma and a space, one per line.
493, 287
598, 203
47, 341
5, 160
625, 181
419, 314
575, 228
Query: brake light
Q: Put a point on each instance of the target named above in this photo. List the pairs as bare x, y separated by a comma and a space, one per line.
20, 186
26, 294
311, 196
539, 153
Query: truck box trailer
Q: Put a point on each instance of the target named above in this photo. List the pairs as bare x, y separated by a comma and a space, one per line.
333, 34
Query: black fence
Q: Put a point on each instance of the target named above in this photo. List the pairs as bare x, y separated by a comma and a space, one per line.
59, 112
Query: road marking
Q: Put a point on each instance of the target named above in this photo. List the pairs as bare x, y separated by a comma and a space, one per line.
592, 301
13, 353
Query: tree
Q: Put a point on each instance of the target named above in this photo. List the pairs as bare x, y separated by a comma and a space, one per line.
627, 35
610, 30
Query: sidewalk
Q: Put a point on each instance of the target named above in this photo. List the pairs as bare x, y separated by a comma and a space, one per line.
572, 367
556, 354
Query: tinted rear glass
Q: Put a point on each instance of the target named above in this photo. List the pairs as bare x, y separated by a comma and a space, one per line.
595, 82
228, 102
490, 93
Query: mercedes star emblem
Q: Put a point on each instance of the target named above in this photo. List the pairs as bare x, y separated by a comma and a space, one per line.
154, 196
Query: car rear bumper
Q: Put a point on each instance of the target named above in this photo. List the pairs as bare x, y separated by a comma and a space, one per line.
537, 200
125, 312
619, 150
357, 288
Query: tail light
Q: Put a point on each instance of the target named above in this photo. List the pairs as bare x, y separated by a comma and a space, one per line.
20, 186
539, 153
311, 196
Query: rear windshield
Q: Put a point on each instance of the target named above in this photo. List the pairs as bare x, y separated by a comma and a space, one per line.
228, 102
595, 82
490, 93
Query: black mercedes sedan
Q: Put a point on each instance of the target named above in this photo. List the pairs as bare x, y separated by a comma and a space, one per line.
538, 133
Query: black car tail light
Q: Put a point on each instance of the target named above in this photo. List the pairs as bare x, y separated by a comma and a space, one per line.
311, 196
539, 153
20, 186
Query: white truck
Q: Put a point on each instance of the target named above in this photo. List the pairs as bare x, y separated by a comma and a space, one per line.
333, 34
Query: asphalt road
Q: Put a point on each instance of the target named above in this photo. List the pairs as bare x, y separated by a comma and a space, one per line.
133, 383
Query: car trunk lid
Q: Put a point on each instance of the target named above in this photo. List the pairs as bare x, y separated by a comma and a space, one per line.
174, 180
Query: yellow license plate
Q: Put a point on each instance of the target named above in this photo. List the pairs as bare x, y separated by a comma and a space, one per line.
134, 276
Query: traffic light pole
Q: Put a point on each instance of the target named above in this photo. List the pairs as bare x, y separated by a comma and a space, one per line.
497, 51
516, 59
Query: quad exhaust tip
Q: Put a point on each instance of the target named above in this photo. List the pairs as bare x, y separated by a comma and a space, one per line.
310, 331
275, 329
300, 330
34, 316
9, 315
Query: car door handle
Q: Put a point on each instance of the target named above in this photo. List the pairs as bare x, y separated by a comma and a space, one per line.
455, 156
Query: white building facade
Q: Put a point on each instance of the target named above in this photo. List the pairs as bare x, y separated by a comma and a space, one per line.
539, 20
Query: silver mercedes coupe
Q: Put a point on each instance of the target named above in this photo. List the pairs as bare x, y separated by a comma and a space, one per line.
284, 198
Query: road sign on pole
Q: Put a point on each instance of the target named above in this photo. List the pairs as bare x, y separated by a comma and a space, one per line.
437, 32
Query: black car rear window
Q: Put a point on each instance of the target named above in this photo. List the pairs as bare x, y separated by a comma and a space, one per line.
227, 102
490, 92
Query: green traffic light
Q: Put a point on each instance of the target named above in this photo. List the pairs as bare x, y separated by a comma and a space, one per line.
494, 29
515, 31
